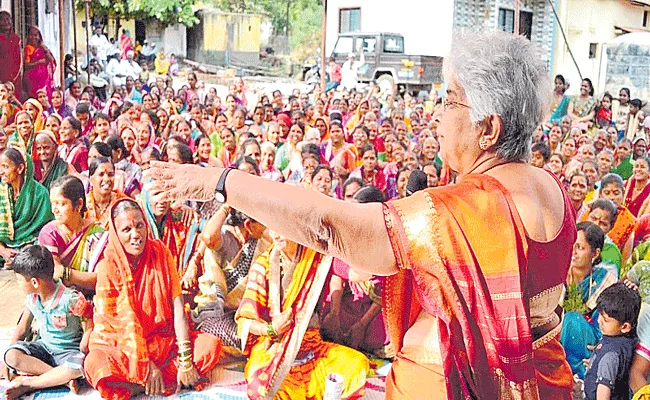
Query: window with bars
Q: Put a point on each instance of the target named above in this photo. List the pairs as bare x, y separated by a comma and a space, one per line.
349, 20
506, 22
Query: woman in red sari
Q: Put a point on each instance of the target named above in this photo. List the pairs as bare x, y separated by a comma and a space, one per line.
39, 65
469, 316
637, 189
126, 44
10, 51
142, 341
369, 170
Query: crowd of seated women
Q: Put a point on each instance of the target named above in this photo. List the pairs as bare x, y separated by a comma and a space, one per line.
179, 286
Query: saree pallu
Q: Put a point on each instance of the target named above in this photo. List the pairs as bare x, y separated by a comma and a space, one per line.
58, 169
178, 237
560, 110
623, 227
300, 357
458, 271
39, 121
19, 143
134, 321
75, 155
40, 76
345, 157
578, 330
22, 219
634, 204
77, 254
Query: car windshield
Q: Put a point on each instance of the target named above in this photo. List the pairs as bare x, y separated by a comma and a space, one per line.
394, 44
344, 45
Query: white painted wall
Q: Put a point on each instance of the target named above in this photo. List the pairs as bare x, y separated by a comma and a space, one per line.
426, 24
585, 22
49, 26
175, 39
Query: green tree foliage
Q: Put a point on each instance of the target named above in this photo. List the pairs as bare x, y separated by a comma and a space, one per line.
277, 12
168, 12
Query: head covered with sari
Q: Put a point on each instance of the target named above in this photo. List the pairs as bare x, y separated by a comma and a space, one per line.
134, 316
57, 167
39, 121
122, 322
21, 219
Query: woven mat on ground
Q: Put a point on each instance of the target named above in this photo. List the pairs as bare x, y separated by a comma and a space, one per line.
228, 384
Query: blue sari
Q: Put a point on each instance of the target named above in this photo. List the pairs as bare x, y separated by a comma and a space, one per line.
560, 111
581, 330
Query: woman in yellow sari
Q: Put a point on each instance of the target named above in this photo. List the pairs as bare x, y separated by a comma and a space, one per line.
35, 110
280, 333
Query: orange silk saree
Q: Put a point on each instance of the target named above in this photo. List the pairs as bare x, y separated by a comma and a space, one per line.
134, 321
462, 254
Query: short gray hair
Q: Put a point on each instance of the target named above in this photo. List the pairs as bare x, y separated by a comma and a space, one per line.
503, 75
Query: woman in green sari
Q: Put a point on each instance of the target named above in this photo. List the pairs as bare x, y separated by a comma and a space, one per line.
73, 240
582, 108
23, 136
560, 102
49, 166
24, 204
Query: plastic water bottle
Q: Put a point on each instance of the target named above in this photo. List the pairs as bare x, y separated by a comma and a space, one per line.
333, 387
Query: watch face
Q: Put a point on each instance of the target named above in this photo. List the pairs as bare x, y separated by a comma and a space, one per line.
220, 197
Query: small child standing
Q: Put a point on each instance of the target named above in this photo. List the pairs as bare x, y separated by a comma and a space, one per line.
64, 320
608, 369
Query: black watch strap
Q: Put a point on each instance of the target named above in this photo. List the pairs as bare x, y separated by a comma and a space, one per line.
220, 191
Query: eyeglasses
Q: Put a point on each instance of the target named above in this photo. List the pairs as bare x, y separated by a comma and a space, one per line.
446, 103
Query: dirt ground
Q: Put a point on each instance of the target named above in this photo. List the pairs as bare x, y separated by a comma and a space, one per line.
12, 299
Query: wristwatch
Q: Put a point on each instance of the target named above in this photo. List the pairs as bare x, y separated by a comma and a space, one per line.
220, 191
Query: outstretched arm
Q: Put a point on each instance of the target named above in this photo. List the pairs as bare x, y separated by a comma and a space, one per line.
355, 233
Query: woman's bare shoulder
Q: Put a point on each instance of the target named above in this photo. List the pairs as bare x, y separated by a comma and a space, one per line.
537, 196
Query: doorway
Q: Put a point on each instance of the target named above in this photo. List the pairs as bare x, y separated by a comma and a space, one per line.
140, 31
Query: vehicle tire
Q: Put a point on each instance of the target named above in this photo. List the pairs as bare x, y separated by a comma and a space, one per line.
386, 83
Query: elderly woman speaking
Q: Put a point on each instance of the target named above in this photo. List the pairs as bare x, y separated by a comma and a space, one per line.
475, 269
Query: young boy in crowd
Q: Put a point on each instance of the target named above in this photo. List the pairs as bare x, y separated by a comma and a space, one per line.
64, 320
608, 368
102, 127
540, 154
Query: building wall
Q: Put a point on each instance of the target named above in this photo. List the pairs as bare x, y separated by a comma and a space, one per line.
425, 25
172, 38
628, 65
224, 38
585, 22
476, 15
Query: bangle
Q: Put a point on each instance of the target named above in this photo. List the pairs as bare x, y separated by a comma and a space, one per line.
270, 330
184, 353
186, 368
66, 274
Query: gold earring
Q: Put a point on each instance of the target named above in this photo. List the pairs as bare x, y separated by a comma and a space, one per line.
483, 145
